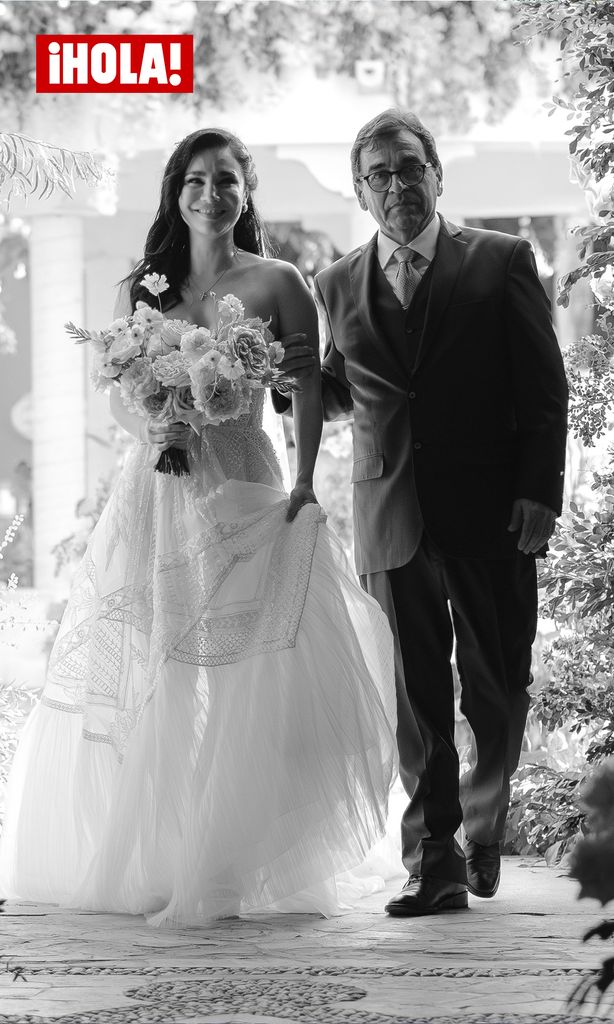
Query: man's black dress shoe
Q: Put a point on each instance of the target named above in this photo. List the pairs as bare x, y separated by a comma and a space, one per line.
424, 895
483, 868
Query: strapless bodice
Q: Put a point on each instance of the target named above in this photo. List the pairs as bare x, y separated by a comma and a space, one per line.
238, 449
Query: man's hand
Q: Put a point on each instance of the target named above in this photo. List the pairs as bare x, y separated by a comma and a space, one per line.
299, 358
535, 522
301, 495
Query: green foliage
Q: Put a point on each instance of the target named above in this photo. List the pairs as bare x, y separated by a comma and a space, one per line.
578, 704
577, 587
13, 255
591, 865
590, 373
437, 55
577, 582
578, 594
584, 31
32, 168
71, 548
333, 471
309, 251
586, 39
544, 817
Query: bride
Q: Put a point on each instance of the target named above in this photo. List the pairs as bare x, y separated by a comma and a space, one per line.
216, 733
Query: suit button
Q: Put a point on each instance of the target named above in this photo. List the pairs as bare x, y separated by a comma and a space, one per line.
409, 330
412, 394
417, 446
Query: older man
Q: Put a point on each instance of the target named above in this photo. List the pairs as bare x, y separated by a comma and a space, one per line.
439, 340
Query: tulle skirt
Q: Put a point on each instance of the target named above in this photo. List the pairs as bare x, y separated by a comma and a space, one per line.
217, 734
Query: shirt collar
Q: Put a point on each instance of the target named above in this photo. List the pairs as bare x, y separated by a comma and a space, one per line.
425, 243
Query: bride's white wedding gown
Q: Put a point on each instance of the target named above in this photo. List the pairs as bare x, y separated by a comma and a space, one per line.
217, 729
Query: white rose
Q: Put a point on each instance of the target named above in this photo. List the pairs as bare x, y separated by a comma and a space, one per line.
172, 331
138, 382
195, 343
172, 370
230, 309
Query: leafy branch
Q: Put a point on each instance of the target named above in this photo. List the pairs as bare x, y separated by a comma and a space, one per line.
577, 581
432, 54
29, 167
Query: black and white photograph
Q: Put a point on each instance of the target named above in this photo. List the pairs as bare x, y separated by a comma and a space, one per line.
306, 511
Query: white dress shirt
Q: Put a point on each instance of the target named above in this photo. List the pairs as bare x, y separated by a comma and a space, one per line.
425, 243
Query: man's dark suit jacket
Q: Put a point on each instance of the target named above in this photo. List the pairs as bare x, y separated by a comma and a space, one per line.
480, 418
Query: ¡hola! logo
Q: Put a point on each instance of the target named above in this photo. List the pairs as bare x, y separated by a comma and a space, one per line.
122, 63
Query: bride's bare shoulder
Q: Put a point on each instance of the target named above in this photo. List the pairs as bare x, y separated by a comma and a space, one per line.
272, 272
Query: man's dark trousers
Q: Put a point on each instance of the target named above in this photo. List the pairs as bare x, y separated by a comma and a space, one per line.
492, 611
459, 407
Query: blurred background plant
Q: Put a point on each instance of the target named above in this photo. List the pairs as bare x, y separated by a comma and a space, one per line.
575, 704
22, 619
568, 808
27, 168
591, 864
238, 45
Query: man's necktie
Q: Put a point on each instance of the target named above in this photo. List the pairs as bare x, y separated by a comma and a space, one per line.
408, 278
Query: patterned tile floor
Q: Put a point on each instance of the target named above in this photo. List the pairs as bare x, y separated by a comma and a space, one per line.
510, 960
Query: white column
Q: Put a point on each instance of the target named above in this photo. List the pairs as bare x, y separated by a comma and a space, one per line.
58, 385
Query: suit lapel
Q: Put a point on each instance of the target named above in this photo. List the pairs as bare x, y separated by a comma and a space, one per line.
361, 271
448, 261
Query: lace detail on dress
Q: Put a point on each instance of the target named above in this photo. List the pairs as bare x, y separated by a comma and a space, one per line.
217, 728
264, 615
201, 570
240, 449
73, 709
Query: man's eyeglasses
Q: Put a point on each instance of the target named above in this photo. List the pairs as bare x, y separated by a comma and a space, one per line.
409, 174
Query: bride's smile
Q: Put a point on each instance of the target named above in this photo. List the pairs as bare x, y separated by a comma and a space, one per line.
213, 192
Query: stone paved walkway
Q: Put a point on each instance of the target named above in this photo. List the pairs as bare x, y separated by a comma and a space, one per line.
510, 960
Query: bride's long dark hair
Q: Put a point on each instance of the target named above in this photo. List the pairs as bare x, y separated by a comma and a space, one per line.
167, 247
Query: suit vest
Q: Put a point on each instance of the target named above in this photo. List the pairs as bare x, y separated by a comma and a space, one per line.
402, 330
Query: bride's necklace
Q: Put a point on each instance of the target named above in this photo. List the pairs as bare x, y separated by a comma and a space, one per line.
209, 291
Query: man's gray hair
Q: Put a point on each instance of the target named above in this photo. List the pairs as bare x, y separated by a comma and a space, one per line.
388, 123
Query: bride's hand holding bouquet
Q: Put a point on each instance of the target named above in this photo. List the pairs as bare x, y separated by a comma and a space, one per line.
174, 373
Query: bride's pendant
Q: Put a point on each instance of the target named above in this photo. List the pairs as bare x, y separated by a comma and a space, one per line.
208, 292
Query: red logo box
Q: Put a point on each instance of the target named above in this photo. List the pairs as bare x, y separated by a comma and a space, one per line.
123, 63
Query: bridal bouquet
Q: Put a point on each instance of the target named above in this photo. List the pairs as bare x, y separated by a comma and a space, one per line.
171, 371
